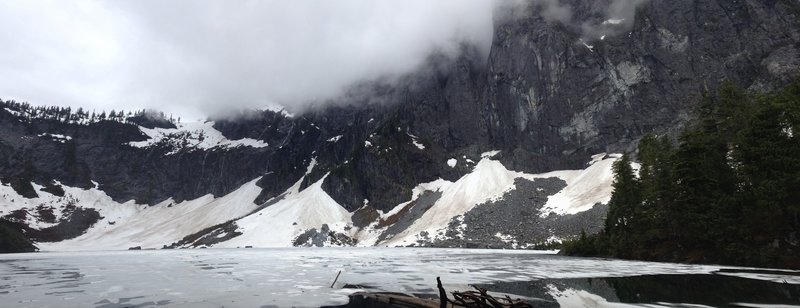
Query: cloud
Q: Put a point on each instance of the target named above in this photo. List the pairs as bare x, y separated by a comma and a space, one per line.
618, 17
195, 57
592, 19
187, 56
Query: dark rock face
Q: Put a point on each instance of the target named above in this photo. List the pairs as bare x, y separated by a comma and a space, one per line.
12, 240
405, 218
323, 237
541, 96
208, 236
100, 152
73, 223
552, 98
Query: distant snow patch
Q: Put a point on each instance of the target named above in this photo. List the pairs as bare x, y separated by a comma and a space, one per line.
490, 154
508, 239
613, 21
591, 48
335, 139
415, 142
276, 108
452, 162
788, 131
56, 137
193, 135
597, 158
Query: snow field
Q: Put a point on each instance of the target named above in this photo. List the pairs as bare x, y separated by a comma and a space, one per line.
129, 224
201, 135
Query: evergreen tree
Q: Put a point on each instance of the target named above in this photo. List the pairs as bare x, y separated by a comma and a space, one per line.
658, 222
767, 154
622, 208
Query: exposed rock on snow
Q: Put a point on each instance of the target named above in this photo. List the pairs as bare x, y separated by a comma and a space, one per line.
197, 135
440, 213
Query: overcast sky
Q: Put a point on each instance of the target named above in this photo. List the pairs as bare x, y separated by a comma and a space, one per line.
191, 57
187, 56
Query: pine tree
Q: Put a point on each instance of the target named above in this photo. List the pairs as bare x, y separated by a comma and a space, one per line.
768, 165
705, 186
658, 219
622, 208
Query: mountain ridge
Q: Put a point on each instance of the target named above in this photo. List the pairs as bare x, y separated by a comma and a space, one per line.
546, 98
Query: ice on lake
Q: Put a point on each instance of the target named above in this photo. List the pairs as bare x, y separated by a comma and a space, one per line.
303, 276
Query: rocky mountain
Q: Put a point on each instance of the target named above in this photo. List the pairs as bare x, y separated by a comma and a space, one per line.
464, 152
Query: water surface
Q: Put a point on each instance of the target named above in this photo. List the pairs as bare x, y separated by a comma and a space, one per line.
303, 277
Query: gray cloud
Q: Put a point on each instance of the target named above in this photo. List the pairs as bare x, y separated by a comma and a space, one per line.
193, 57
187, 56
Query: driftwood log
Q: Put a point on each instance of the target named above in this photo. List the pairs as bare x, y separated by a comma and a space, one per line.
478, 299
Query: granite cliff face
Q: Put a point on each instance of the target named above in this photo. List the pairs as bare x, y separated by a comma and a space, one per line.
548, 96
555, 93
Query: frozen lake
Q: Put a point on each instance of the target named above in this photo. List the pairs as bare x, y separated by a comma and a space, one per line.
303, 277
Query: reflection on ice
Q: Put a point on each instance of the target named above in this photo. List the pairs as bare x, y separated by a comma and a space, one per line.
302, 277
674, 290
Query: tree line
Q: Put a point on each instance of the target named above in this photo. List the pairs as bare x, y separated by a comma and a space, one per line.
726, 191
79, 115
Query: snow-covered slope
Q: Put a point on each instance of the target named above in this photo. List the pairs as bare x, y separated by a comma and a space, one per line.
129, 224
200, 135
280, 221
489, 180
279, 224
585, 188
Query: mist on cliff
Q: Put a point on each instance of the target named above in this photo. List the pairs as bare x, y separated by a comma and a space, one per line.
193, 58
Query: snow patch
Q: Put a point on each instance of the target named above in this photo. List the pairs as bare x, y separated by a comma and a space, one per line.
437, 185
597, 158
56, 137
508, 239
10, 202
196, 135
276, 108
788, 131
585, 188
590, 47
130, 224
452, 162
279, 224
488, 180
613, 21
335, 139
415, 142
489, 154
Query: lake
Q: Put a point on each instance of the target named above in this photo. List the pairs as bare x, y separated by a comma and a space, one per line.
303, 277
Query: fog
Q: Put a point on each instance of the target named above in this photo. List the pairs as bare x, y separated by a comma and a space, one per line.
196, 57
